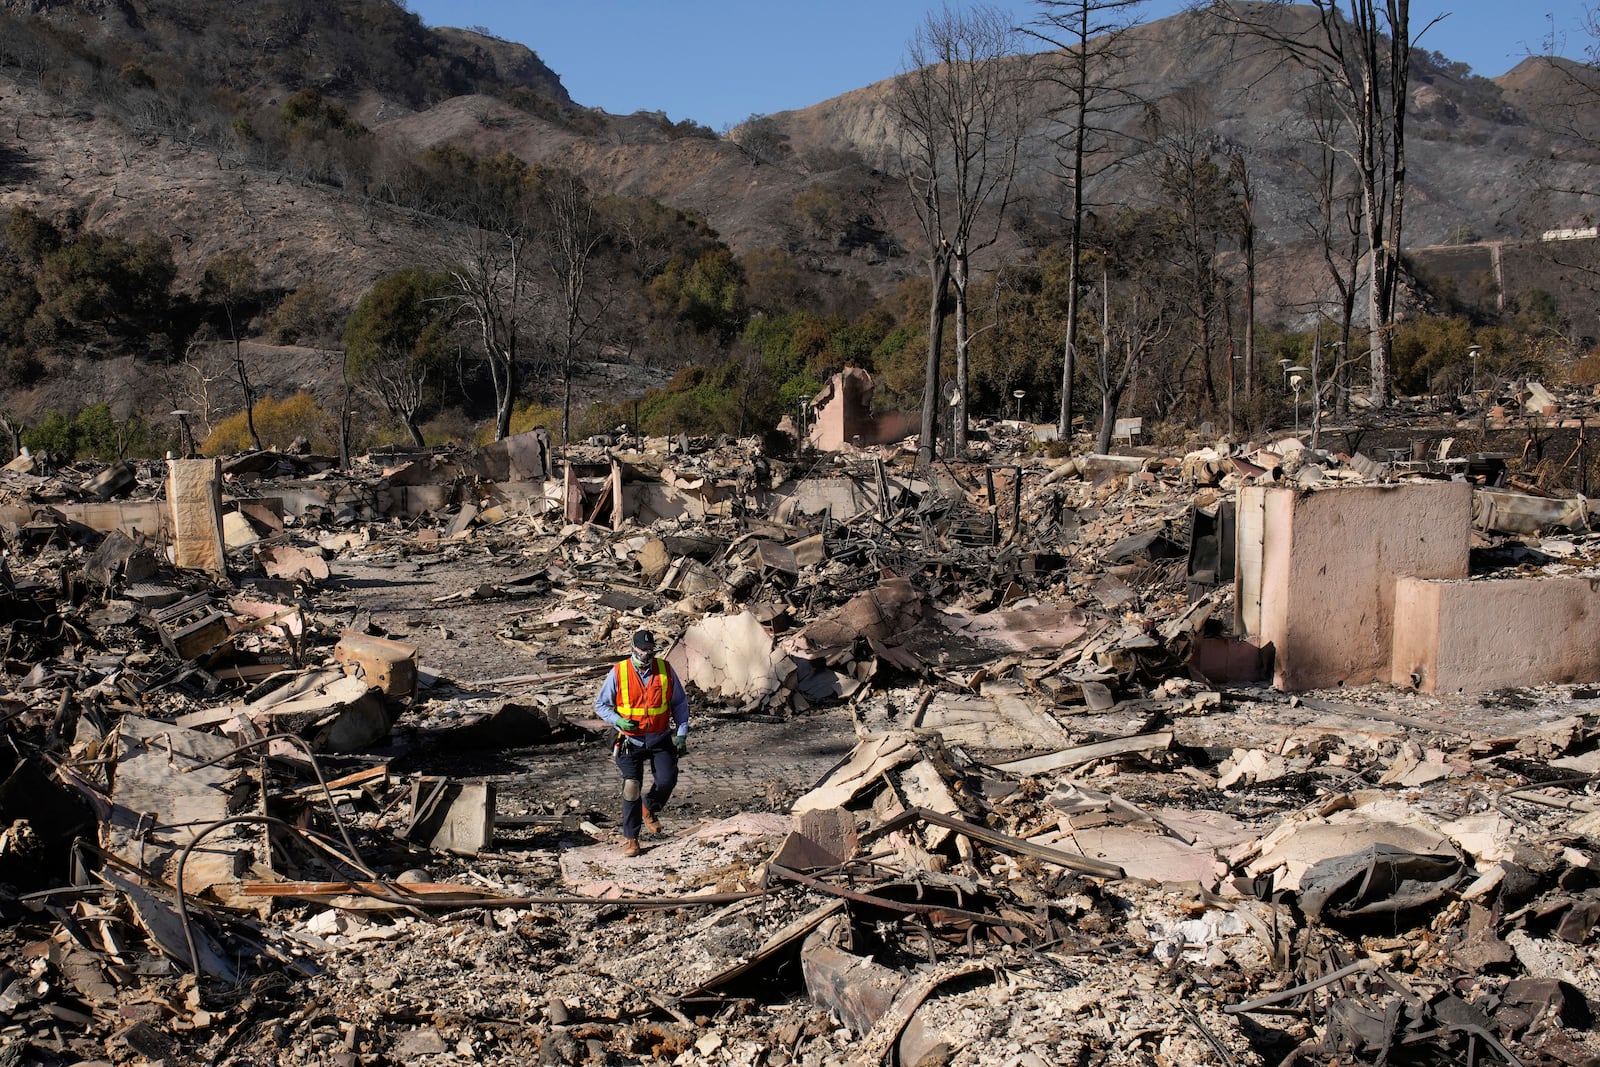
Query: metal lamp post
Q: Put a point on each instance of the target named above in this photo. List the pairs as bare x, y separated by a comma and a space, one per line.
1296, 378
1472, 354
1017, 396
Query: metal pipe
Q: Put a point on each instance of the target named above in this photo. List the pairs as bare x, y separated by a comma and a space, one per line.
333, 809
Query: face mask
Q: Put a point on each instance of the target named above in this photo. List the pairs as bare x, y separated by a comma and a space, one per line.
642, 661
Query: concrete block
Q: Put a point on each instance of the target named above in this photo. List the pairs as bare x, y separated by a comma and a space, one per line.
833, 829
389, 666
237, 531
1452, 637
1316, 571
293, 564
842, 414
132, 517
452, 816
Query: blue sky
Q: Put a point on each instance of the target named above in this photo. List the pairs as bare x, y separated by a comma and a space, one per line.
720, 61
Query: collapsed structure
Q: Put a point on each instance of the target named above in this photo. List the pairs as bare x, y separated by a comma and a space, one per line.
1117, 759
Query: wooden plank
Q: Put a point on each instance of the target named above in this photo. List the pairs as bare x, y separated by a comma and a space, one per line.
996, 839
1081, 754
386, 889
379, 773
445, 895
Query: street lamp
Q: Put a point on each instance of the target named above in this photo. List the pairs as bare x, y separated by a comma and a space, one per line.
1296, 377
1472, 354
1017, 396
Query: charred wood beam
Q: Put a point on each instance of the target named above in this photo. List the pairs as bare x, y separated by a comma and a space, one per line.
995, 839
447, 895
936, 913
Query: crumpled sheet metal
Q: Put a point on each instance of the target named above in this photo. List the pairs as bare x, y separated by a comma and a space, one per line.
1379, 881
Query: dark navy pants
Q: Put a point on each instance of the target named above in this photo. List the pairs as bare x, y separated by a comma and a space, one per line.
662, 758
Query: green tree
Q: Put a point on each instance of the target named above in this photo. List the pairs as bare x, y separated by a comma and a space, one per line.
706, 293
306, 316
92, 433
100, 289
398, 342
30, 237
308, 108
821, 210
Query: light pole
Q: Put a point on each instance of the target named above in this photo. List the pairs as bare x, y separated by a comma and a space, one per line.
1296, 378
1472, 354
1017, 396
1283, 365
1236, 358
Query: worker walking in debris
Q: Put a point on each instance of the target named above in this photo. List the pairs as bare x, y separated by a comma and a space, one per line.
644, 700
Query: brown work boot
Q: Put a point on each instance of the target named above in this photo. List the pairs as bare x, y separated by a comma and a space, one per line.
630, 846
651, 823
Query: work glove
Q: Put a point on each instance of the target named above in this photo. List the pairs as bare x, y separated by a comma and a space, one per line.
626, 724
681, 743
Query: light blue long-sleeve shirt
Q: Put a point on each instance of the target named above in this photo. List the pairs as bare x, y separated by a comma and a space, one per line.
605, 704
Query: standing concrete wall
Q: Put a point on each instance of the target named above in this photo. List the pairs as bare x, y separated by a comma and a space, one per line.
194, 502
843, 411
1465, 637
1324, 568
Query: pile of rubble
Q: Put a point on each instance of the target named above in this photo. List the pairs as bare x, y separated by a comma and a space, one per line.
299, 764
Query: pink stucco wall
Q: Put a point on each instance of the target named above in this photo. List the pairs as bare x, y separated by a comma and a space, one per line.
1468, 637
1329, 560
843, 411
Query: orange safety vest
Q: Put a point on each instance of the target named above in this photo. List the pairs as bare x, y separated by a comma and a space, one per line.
648, 705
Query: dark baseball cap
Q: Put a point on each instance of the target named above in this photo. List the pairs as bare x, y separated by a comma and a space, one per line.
644, 641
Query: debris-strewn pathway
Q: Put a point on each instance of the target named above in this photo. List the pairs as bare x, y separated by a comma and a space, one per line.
959, 790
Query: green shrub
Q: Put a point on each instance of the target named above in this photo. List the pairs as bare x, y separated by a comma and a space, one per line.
278, 422
93, 433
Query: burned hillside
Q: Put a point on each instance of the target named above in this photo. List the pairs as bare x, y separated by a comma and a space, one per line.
1014, 761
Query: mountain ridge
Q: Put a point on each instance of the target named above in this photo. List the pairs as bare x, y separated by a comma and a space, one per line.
89, 140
